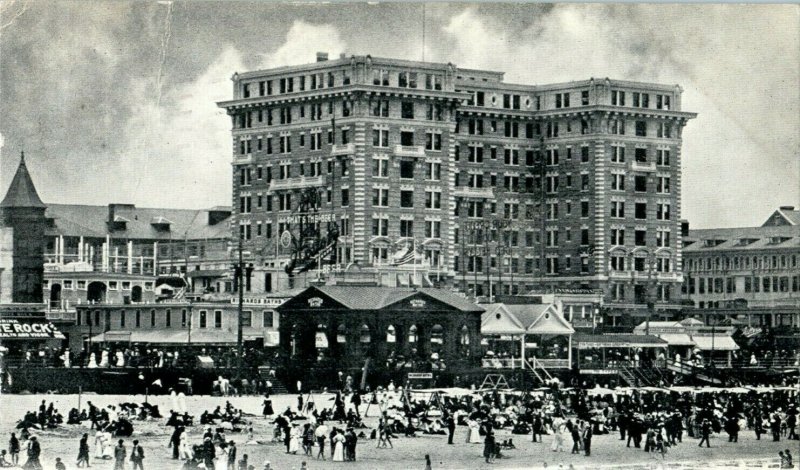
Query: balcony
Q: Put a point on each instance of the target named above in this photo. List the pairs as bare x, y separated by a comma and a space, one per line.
301, 182
343, 149
643, 166
239, 159
416, 151
475, 193
61, 315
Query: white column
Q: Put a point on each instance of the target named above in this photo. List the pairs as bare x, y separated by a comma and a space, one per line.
130, 257
91, 256
522, 341
61, 251
116, 258
141, 265
569, 352
80, 249
155, 257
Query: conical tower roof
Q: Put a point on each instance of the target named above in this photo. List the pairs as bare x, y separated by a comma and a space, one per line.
22, 192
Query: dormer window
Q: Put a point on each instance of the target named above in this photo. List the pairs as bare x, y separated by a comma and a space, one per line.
747, 241
119, 223
161, 224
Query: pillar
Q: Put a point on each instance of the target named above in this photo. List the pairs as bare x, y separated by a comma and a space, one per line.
61, 249
155, 258
81, 253
130, 257
569, 351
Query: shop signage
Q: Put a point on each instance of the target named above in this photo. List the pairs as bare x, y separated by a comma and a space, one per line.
420, 375
14, 329
417, 303
315, 302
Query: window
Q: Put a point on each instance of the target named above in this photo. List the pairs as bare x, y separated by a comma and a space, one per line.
380, 77
562, 100
551, 183
584, 154
640, 183
662, 211
640, 238
380, 227
433, 229
433, 200
407, 110
407, 138
380, 197
641, 128
617, 126
585, 98
433, 141
640, 210
434, 112
551, 157
618, 154
407, 80
662, 185
475, 154
434, 82
511, 129
406, 228
380, 108
345, 197
662, 237
640, 155
552, 265
617, 236
584, 209
618, 209
380, 138
618, 182
406, 198
662, 158
203, 319
664, 130
617, 98
434, 171
407, 169
380, 167
511, 157
662, 102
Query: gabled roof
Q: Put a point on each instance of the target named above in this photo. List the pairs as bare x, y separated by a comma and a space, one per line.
21, 192
529, 318
786, 215
375, 298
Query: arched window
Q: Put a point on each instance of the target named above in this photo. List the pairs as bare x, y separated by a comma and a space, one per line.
391, 336
437, 335
365, 336
341, 334
321, 338
464, 336
412, 334
464, 340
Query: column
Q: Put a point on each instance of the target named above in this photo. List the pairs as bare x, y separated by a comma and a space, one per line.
130, 257
61, 249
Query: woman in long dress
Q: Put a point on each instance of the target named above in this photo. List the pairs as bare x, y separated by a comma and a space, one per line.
294, 439
558, 435
469, 431
475, 433
338, 447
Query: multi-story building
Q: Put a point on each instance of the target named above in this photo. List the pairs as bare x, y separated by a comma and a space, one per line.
116, 254
750, 275
504, 188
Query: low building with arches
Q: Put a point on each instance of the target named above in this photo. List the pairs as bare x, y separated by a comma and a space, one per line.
339, 327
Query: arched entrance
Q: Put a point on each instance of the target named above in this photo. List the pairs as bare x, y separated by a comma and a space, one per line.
136, 294
55, 296
96, 292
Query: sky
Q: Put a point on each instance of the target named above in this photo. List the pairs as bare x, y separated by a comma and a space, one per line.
116, 101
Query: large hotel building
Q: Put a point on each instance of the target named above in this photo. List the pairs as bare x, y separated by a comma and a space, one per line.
498, 187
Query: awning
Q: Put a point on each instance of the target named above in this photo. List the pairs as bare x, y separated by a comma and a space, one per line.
204, 336
720, 343
28, 328
586, 341
208, 273
677, 339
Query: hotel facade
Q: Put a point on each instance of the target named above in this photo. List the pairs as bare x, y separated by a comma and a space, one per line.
493, 188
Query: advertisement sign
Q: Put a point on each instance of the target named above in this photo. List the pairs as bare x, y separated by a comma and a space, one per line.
11, 328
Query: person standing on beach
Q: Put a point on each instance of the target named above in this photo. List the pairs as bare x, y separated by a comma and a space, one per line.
34, 451
120, 453
83, 452
13, 449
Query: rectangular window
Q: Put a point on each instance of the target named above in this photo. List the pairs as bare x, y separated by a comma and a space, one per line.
407, 110
407, 169
380, 138
433, 141
641, 128
380, 197
433, 200
640, 210
406, 198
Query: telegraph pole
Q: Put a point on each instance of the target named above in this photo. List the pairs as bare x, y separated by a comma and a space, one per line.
240, 286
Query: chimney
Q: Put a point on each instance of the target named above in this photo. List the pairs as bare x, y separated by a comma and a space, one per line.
322, 56
787, 208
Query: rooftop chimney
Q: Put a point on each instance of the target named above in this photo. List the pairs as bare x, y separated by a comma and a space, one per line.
322, 56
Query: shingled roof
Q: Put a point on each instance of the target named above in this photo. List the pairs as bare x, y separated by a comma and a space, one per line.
22, 192
375, 298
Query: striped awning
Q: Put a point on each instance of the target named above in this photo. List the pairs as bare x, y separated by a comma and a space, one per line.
716, 343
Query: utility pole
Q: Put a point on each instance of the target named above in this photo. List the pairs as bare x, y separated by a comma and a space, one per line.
240, 286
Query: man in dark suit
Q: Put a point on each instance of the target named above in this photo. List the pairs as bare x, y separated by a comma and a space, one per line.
137, 455
451, 428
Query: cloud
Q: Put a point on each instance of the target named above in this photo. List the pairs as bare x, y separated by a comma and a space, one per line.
180, 152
